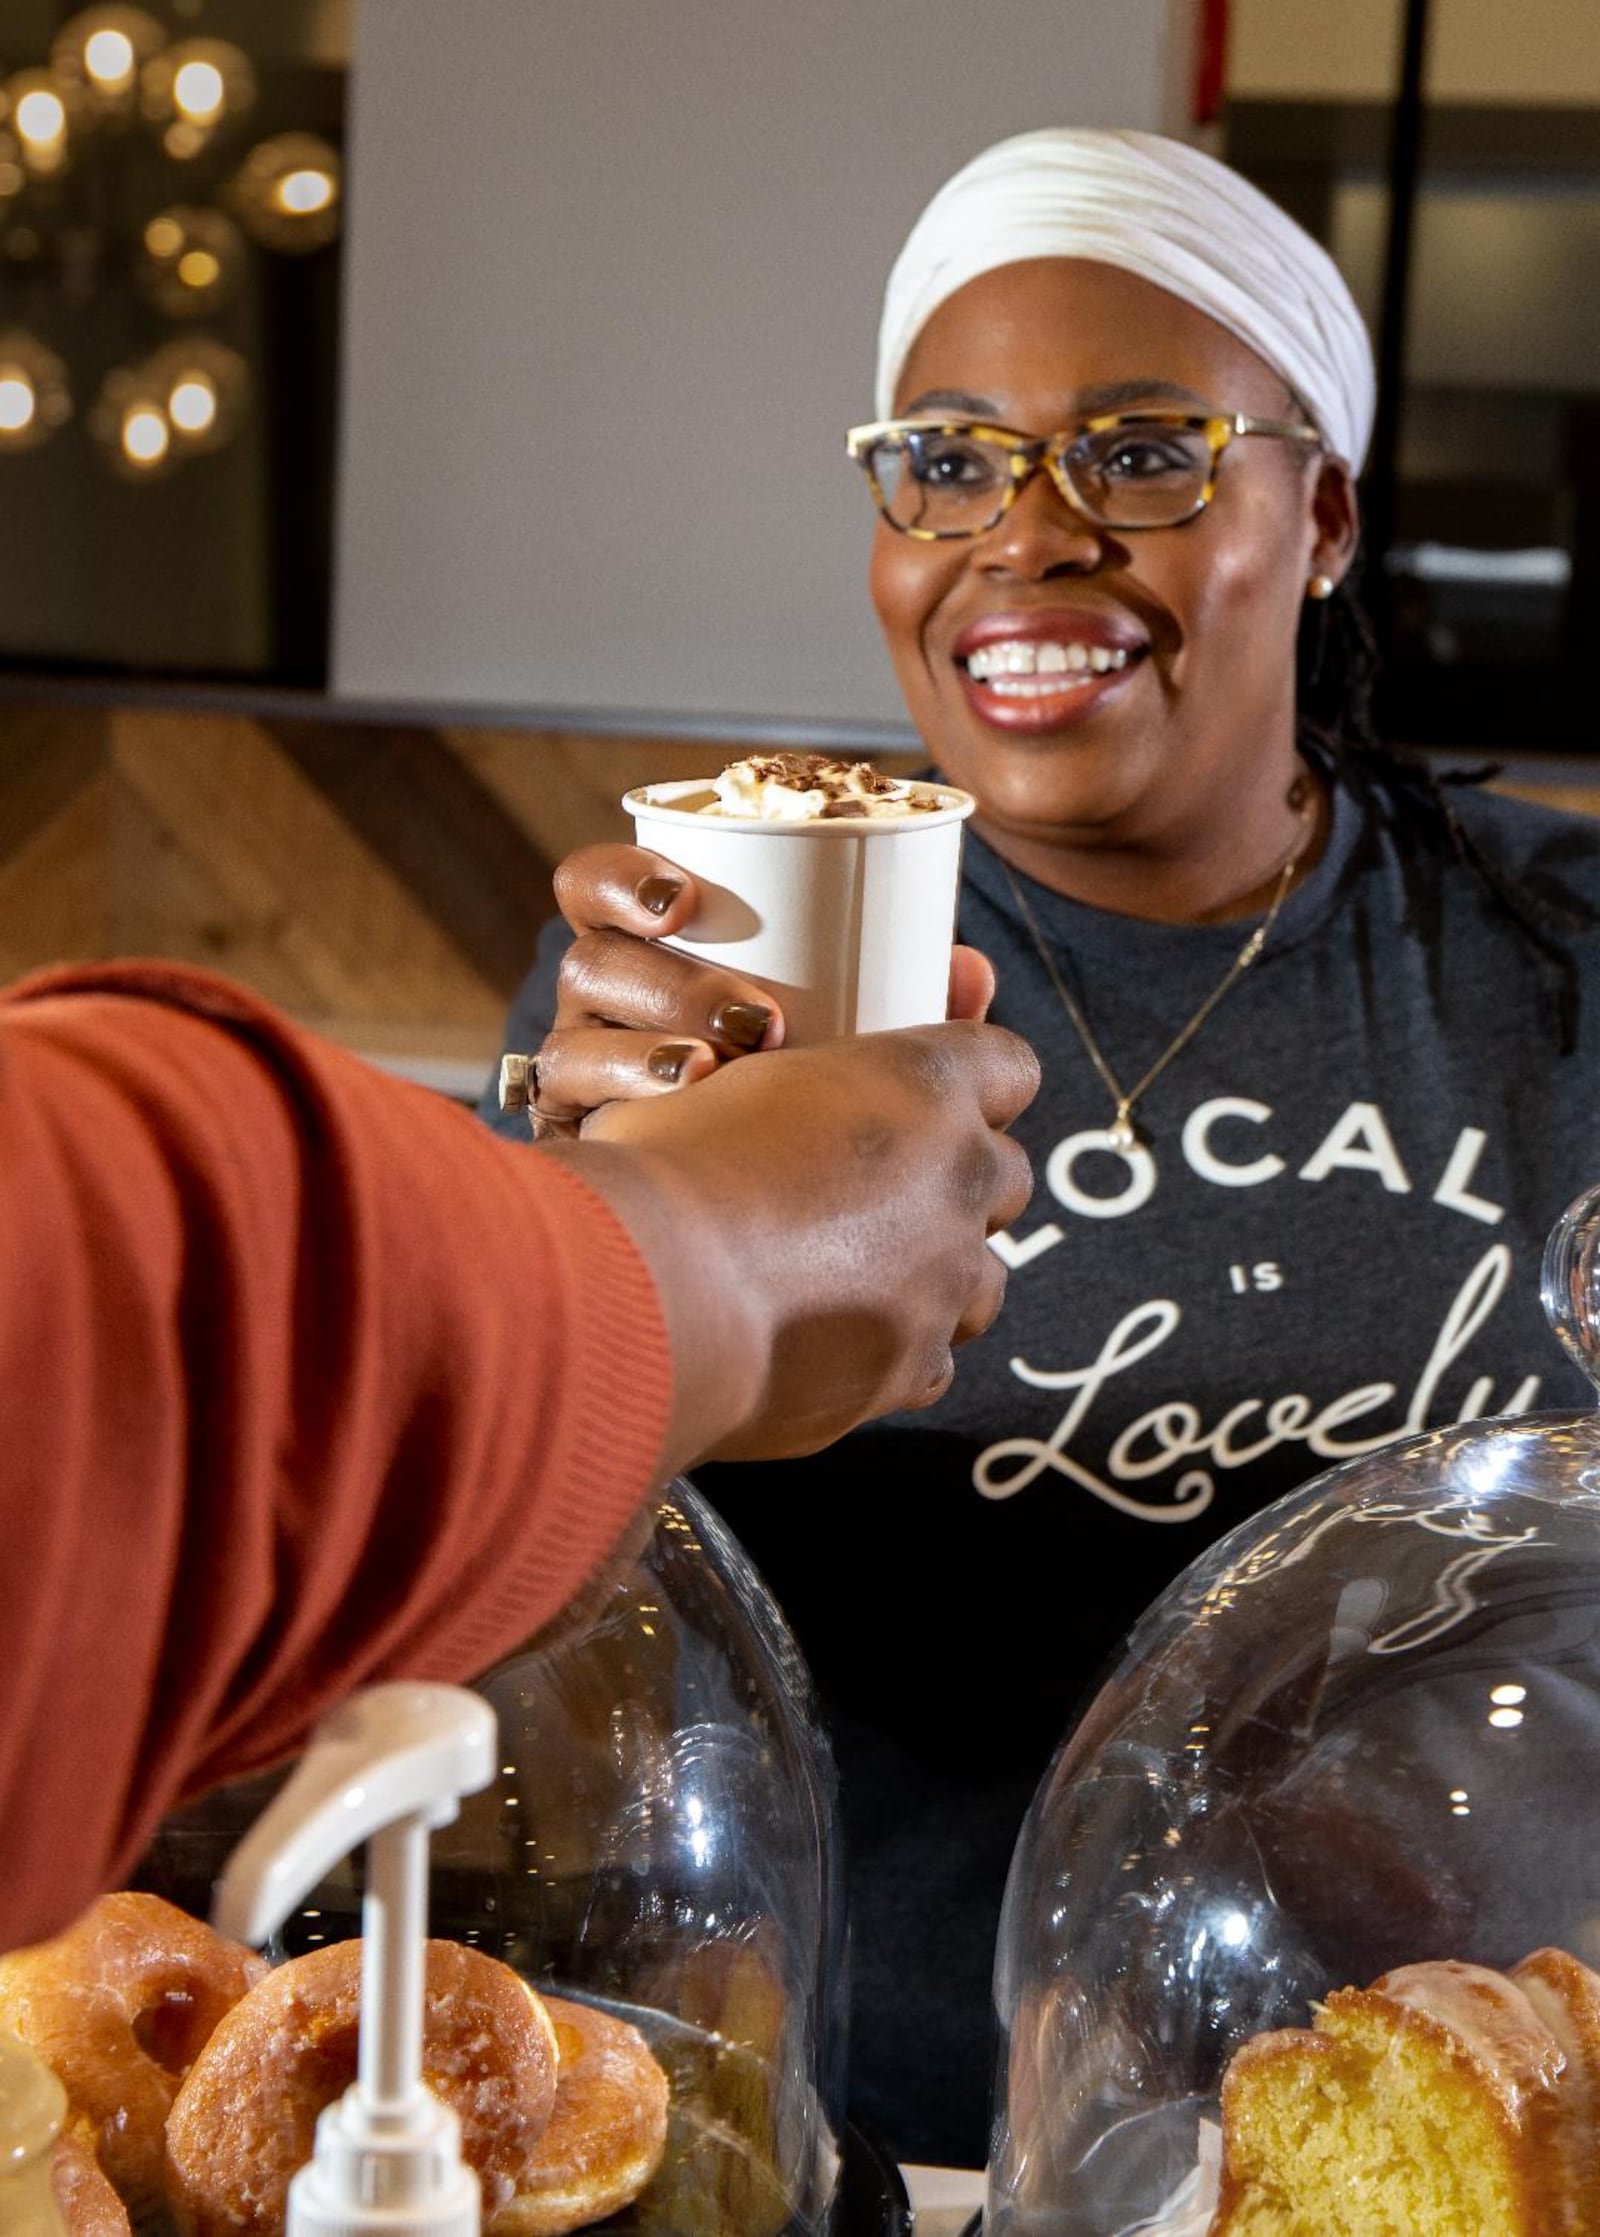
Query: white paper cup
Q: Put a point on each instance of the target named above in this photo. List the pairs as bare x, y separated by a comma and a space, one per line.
849, 921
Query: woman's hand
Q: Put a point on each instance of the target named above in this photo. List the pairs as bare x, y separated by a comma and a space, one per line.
636, 1019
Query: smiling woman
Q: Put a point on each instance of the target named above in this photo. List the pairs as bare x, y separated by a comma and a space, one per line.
1308, 1020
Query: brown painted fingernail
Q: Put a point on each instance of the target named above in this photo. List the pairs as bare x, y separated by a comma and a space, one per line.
667, 1062
657, 894
742, 1023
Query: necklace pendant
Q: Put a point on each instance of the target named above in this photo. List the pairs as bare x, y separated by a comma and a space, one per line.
1120, 1133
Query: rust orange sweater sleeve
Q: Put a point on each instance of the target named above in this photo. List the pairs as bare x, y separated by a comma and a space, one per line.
305, 1379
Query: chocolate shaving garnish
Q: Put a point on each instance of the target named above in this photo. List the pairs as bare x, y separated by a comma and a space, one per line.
848, 789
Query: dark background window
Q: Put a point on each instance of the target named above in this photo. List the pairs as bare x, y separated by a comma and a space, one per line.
169, 281
1483, 568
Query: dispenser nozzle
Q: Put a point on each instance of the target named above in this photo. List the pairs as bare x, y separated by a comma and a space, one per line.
385, 1768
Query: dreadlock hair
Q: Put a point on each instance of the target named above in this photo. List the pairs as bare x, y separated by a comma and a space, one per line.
1337, 664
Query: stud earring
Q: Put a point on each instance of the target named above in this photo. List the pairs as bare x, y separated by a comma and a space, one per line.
1321, 586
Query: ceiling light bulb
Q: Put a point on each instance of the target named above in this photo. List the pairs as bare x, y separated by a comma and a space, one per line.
194, 89
190, 260
129, 420
198, 92
100, 51
18, 403
35, 398
287, 192
192, 406
201, 387
144, 435
302, 193
40, 118
108, 57
198, 268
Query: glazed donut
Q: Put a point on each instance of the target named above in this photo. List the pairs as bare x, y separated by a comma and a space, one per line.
119, 2006
246, 2116
84, 2198
606, 2135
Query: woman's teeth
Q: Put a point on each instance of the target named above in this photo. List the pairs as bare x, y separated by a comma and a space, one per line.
1021, 668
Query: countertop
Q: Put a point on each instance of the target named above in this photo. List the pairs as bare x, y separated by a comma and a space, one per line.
943, 2199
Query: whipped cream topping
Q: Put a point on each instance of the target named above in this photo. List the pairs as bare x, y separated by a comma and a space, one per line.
812, 787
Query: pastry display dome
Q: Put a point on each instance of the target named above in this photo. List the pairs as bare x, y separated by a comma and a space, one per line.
1361, 1733
657, 1844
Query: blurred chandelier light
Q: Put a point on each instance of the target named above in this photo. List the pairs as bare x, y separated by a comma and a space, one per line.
40, 117
108, 60
192, 403
103, 50
34, 397
130, 422
288, 192
203, 386
145, 435
189, 261
120, 99
194, 88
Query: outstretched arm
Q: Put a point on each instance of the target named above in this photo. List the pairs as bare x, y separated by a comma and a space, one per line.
306, 1379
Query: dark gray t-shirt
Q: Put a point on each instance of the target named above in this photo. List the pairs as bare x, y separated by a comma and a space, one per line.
1330, 1236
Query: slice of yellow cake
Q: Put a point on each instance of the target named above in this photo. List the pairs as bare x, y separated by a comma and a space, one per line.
1446, 2100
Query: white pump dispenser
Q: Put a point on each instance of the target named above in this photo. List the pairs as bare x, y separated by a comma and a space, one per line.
385, 1768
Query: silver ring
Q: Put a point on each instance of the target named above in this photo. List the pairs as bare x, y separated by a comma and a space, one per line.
519, 1082
519, 1091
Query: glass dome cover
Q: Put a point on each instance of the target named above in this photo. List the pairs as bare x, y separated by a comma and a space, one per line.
1358, 1733
659, 1842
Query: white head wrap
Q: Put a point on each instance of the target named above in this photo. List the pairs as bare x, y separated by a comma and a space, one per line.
1168, 213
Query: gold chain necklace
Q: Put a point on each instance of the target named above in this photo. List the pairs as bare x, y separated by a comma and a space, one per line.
1121, 1134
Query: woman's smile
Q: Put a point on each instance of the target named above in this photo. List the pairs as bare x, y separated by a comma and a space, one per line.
1040, 673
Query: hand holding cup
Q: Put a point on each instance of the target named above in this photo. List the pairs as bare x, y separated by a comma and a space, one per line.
790, 929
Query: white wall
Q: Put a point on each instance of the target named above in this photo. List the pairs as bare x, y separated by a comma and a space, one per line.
613, 277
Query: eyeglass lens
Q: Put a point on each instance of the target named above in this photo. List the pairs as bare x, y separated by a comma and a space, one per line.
1139, 474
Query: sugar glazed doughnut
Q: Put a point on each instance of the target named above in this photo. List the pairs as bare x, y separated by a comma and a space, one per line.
84, 2198
246, 2116
606, 2135
120, 2006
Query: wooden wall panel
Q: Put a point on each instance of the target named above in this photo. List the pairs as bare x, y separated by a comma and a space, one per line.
385, 882
55, 897
462, 859
49, 754
1578, 798
566, 790
295, 875
170, 901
